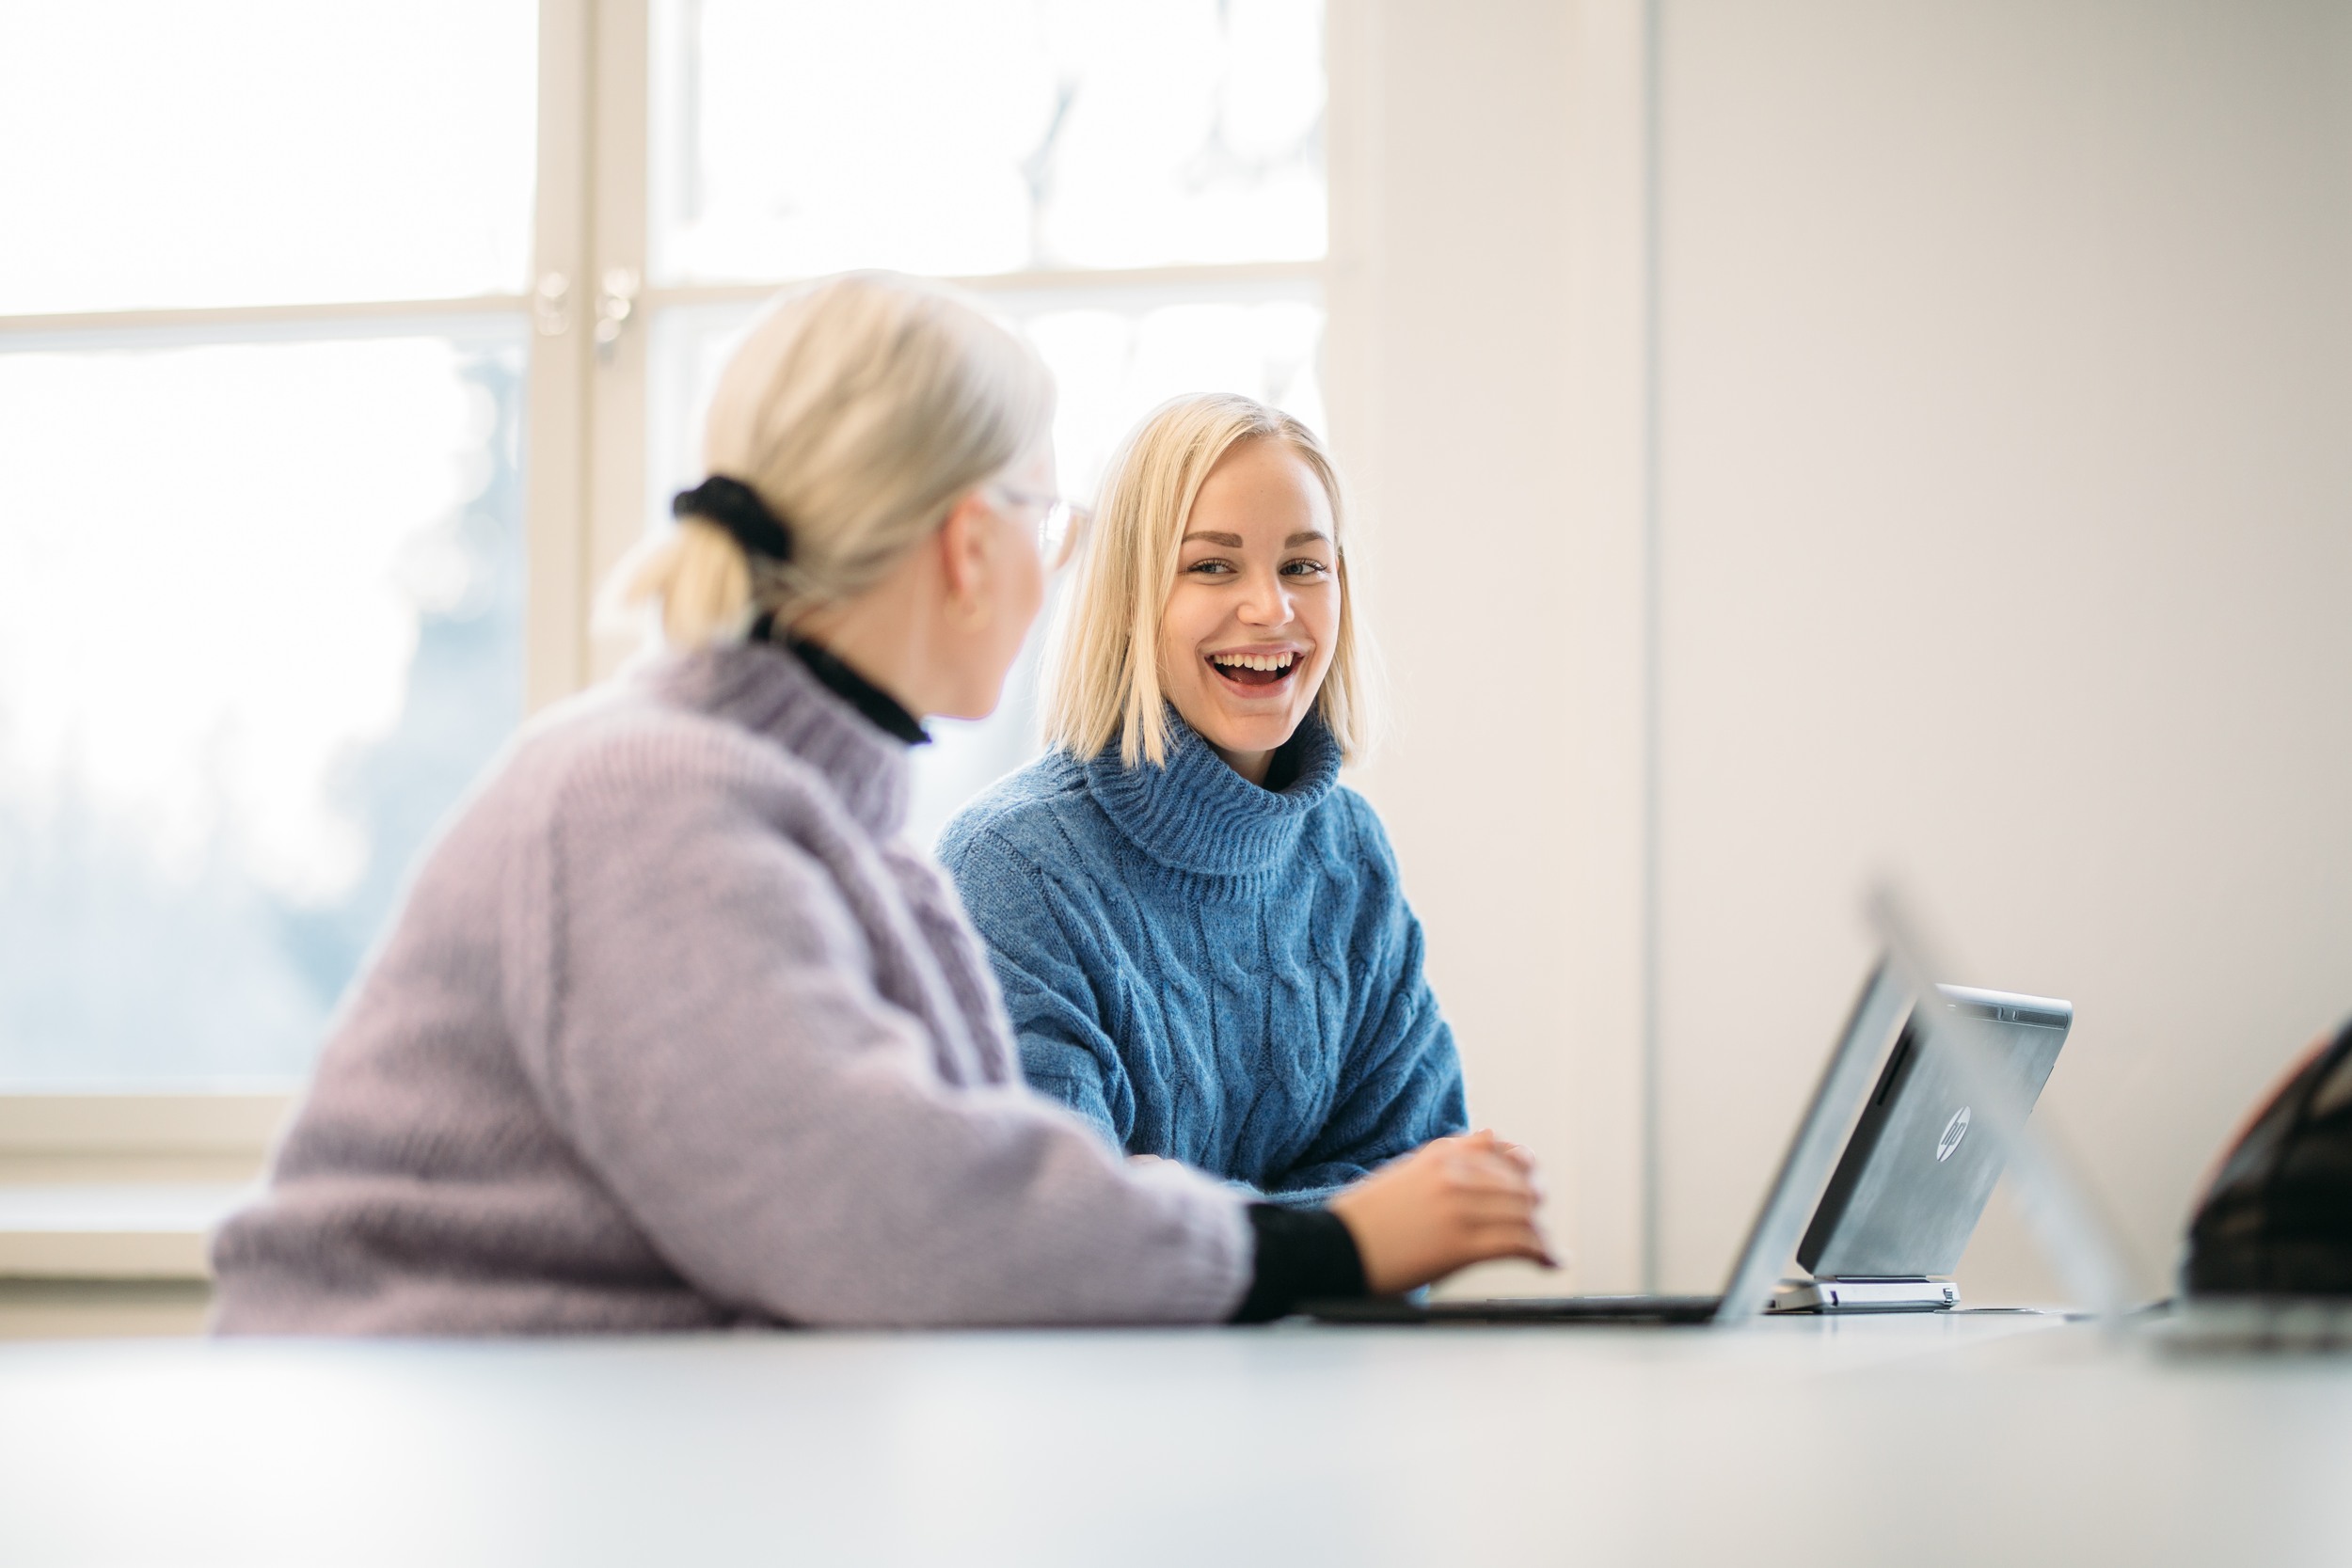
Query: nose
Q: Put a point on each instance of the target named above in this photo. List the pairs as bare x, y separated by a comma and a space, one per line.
1267, 601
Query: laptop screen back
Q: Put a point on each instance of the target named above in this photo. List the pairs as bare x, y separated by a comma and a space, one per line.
1921, 1165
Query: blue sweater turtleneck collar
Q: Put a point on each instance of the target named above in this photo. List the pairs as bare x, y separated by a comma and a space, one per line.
1198, 815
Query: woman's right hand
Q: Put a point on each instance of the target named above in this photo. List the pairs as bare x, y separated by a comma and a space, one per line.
1450, 1203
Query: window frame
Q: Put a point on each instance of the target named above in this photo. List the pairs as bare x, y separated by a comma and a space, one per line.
586, 435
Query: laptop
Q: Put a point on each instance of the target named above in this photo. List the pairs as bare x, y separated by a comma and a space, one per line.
1911, 1184
1896, 1206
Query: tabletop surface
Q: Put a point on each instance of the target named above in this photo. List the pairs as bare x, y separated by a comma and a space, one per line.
1915, 1440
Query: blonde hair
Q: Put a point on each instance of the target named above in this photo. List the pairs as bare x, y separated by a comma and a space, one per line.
1102, 664
859, 408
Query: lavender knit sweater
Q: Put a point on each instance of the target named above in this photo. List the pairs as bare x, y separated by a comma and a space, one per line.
674, 1032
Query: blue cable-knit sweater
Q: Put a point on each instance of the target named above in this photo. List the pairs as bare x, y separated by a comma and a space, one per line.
1209, 971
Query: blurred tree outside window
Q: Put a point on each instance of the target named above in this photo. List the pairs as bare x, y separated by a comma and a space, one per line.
261, 573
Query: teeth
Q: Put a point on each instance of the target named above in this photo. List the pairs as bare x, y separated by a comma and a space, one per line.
1254, 662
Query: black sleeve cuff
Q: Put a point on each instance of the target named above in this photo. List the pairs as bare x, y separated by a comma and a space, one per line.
1303, 1254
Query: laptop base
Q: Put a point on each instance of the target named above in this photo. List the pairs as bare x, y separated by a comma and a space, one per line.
1809, 1296
1527, 1310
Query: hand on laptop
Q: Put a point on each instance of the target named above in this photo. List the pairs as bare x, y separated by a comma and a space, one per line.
1450, 1203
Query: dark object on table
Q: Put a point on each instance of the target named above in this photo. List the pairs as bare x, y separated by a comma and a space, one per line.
2278, 1219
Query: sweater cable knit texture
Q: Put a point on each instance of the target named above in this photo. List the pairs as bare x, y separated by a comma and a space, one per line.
674, 1031
1210, 971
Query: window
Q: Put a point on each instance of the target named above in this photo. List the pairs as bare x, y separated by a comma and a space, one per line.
393, 332
262, 347
1140, 186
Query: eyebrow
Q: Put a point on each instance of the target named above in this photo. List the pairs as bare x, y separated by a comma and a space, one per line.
1232, 541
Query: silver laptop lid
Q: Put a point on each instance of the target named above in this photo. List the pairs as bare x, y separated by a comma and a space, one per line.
1912, 1183
2076, 1238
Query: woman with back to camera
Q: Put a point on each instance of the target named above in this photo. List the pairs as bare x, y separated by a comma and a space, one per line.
1199, 933
674, 1031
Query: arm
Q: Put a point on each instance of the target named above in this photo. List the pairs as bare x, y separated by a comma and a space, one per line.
1056, 1015
712, 1044
1403, 1082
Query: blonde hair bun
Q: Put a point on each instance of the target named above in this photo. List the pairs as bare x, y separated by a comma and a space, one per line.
857, 409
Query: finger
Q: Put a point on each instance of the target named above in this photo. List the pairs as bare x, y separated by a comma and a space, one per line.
1495, 1248
1468, 1191
1517, 1175
1492, 1203
1480, 1206
1481, 1230
1515, 1241
1473, 1171
1488, 1199
1490, 1227
1435, 1150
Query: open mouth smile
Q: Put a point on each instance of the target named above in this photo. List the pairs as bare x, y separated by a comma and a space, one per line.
1257, 674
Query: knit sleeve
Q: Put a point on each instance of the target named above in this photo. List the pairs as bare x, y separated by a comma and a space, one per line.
1402, 1082
1045, 970
711, 1042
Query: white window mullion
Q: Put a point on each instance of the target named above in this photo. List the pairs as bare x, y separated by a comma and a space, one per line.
618, 329
555, 469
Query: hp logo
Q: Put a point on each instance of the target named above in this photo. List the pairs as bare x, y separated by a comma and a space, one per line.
1954, 1131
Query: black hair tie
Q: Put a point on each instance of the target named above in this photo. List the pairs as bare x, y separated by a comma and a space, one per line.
736, 507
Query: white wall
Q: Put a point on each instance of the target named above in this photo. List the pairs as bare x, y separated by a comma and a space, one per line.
2003, 530
2006, 508
1449, 323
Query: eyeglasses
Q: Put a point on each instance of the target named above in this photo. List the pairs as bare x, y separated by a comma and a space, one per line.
1059, 524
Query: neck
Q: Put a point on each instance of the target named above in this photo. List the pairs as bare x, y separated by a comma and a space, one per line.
875, 642
883, 711
1249, 764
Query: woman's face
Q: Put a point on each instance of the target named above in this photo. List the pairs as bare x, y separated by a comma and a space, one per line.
1248, 627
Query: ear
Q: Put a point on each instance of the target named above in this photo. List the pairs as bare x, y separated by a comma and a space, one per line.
964, 558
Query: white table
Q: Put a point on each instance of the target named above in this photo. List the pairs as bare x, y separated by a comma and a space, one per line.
1976, 1439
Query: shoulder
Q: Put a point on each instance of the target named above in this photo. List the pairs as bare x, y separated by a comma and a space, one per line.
1032, 857
622, 754
1356, 865
1353, 828
1026, 817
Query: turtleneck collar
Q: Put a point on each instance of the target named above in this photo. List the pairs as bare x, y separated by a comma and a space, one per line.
839, 677
773, 692
1198, 815
843, 681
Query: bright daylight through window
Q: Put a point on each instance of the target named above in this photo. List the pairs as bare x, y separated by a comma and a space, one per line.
262, 455
260, 580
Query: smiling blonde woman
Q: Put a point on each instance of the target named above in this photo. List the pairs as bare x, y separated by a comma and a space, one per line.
1199, 933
